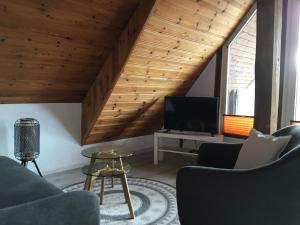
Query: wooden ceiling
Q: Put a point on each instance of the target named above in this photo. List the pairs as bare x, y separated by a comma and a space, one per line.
52, 50
118, 57
174, 45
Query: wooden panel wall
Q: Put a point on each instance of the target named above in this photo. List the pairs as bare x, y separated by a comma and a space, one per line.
176, 43
51, 51
101, 89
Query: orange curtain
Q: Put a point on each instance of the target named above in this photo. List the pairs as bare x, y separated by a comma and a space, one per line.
238, 126
294, 122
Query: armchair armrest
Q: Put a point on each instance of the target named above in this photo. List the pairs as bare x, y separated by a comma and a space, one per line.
74, 208
266, 195
218, 155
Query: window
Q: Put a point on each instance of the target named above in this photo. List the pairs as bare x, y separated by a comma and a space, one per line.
238, 78
240, 92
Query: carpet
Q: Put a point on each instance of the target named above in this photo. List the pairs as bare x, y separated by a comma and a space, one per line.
154, 202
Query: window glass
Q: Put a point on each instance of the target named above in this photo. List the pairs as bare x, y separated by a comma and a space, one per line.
241, 71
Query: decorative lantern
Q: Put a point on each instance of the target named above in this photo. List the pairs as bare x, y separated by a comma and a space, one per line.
27, 141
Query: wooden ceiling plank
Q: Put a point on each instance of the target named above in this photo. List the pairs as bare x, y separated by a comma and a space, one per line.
156, 78
168, 55
148, 81
156, 38
208, 9
175, 30
170, 50
37, 99
76, 11
198, 22
120, 120
155, 61
58, 36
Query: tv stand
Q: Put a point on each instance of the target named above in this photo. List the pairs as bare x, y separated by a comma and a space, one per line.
159, 150
180, 143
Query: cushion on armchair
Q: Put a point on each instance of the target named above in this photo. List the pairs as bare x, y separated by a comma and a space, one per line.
260, 149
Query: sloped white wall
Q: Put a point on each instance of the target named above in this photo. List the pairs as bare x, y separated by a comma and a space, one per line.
60, 134
205, 84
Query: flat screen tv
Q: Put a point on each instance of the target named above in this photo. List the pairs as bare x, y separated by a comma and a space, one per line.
191, 114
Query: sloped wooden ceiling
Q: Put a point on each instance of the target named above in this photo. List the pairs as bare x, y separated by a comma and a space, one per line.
52, 50
174, 45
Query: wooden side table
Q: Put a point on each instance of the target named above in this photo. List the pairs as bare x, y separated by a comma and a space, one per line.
105, 164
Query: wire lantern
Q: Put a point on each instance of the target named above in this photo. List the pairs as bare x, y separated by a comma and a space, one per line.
27, 140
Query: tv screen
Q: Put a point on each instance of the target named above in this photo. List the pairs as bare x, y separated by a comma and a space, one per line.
191, 114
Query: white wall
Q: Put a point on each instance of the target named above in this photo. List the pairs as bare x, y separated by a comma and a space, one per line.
205, 84
60, 134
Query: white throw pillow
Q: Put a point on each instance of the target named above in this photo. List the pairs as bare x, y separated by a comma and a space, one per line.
260, 149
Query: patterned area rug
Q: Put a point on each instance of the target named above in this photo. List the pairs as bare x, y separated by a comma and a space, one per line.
153, 202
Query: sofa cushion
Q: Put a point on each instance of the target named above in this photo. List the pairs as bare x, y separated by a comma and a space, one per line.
19, 185
73, 208
260, 149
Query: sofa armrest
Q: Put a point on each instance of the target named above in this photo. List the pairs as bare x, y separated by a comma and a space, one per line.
73, 208
266, 195
218, 155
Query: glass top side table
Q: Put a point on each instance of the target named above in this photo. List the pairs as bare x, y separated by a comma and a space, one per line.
99, 153
107, 163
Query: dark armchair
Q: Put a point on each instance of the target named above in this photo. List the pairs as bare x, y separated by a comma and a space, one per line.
214, 194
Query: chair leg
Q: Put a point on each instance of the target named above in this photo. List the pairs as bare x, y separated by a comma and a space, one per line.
127, 195
37, 168
102, 190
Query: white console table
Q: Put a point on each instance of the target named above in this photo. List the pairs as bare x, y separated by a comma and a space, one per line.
159, 150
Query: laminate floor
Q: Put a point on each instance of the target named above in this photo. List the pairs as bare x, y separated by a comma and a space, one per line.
141, 166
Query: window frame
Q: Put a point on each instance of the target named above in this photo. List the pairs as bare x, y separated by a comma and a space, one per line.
225, 62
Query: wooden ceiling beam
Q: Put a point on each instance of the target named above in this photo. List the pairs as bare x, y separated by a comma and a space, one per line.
110, 71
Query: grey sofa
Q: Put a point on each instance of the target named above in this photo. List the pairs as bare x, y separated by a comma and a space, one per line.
27, 199
214, 194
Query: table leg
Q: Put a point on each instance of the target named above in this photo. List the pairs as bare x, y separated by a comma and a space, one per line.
127, 194
155, 149
89, 182
102, 190
112, 178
